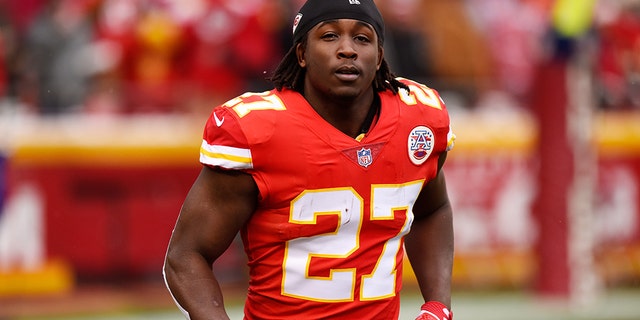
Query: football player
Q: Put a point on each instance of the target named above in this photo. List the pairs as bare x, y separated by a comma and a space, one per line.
330, 179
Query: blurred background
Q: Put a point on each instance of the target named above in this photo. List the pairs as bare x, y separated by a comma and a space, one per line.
102, 103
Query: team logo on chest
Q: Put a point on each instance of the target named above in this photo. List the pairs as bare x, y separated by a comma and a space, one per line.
364, 157
420, 144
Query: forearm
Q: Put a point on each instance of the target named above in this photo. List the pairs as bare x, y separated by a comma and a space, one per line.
429, 247
194, 287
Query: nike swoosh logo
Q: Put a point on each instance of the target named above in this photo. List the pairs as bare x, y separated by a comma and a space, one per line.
219, 122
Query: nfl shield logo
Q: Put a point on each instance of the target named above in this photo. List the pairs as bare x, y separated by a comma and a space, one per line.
364, 157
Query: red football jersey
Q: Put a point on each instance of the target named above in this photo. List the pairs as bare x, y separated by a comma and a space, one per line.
326, 241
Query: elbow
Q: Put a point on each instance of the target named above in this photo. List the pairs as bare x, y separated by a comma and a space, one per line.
168, 270
169, 274
172, 263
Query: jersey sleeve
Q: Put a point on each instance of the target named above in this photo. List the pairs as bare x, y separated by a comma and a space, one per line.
420, 94
451, 138
224, 144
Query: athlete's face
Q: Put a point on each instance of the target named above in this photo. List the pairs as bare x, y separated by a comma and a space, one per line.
341, 58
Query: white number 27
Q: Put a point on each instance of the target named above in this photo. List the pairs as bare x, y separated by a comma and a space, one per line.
347, 204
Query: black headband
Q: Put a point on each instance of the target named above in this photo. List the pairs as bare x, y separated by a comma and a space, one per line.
316, 11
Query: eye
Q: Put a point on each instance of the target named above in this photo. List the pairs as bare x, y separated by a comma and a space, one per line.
362, 38
329, 36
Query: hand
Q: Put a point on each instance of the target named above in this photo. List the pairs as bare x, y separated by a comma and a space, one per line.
434, 310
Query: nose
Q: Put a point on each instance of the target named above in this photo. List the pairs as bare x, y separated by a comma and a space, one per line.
346, 49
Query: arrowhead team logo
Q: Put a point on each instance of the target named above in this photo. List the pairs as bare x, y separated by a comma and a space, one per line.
420, 144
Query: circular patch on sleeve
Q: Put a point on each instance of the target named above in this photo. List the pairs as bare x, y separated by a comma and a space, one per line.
420, 144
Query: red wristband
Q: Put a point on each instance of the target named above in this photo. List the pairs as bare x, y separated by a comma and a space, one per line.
434, 310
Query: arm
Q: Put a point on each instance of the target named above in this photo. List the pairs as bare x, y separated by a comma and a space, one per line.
217, 206
429, 245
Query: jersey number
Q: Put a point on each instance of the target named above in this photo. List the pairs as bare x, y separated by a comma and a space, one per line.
419, 93
347, 204
251, 101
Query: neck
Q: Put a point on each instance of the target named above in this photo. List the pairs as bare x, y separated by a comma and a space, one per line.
346, 114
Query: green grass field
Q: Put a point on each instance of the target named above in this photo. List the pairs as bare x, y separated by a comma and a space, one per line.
619, 304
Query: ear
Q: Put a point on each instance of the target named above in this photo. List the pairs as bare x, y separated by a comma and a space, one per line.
380, 57
300, 51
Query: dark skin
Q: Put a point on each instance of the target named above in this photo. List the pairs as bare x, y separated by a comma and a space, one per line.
429, 245
341, 59
217, 206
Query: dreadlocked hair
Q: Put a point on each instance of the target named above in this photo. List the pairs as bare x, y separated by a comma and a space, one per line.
290, 75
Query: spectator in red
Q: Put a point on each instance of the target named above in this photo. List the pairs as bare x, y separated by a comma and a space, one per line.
619, 58
232, 49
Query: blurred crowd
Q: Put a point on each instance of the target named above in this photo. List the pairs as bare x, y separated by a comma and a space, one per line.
184, 56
